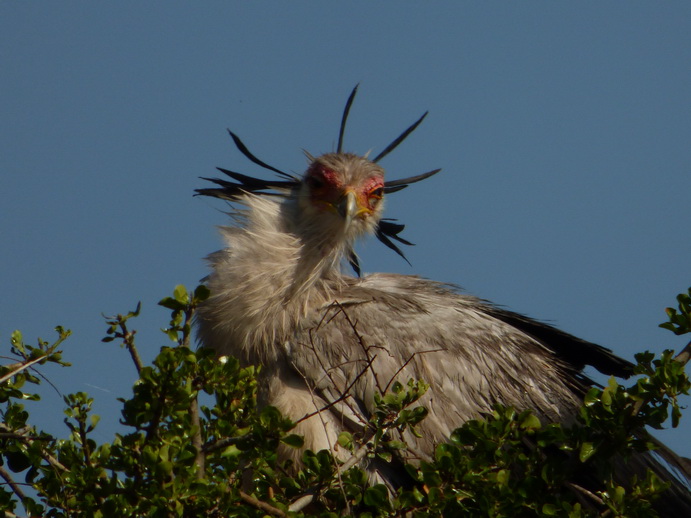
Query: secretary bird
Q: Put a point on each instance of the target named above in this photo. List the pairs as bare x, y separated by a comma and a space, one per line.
280, 299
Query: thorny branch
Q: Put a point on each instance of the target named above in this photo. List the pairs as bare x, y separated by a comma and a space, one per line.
327, 371
309, 497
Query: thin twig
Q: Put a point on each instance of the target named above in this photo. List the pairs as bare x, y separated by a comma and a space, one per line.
131, 348
328, 373
23, 366
343, 396
263, 506
361, 341
220, 443
360, 454
406, 363
29, 440
582, 491
327, 435
200, 459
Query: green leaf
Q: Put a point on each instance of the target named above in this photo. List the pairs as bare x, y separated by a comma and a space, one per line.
171, 303
201, 293
345, 439
396, 445
180, 294
17, 341
591, 397
294, 440
587, 450
530, 422
377, 496
503, 476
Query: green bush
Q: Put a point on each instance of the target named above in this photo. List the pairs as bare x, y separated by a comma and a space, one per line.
181, 458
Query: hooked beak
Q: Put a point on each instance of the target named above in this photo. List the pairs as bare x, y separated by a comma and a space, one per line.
348, 207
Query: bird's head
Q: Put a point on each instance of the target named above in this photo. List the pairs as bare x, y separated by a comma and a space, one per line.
340, 196
342, 193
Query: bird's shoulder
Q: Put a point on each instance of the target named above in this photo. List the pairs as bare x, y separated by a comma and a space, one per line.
403, 316
409, 314
387, 327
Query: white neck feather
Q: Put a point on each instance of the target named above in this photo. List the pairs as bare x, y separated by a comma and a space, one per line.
264, 281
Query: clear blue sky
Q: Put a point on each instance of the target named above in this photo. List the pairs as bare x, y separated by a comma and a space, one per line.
563, 131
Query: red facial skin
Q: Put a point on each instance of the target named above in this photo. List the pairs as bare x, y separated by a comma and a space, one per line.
327, 188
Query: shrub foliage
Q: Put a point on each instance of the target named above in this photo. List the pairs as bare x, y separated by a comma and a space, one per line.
180, 454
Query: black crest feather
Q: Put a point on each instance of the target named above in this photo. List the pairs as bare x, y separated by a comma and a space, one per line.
239, 184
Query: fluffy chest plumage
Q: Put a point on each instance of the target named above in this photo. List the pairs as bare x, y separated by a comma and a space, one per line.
263, 284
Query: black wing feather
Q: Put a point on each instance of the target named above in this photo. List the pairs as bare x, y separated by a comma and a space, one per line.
574, 350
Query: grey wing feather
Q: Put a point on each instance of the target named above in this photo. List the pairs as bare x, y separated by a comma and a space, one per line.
471, 353
457, 344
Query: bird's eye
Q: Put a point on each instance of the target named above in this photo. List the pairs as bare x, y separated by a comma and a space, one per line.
377, 193
314, 183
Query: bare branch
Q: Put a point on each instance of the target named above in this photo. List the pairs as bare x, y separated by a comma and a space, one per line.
360, 454
362, 343
10, 482
582, 492
200, 459
684, 355
21, 435
22, 366
128, 342
220, 443
262, 506
342, 397
406, 363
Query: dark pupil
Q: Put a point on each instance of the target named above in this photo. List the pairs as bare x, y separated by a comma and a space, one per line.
314, 182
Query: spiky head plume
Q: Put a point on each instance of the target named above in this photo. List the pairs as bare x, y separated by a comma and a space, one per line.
335, 185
